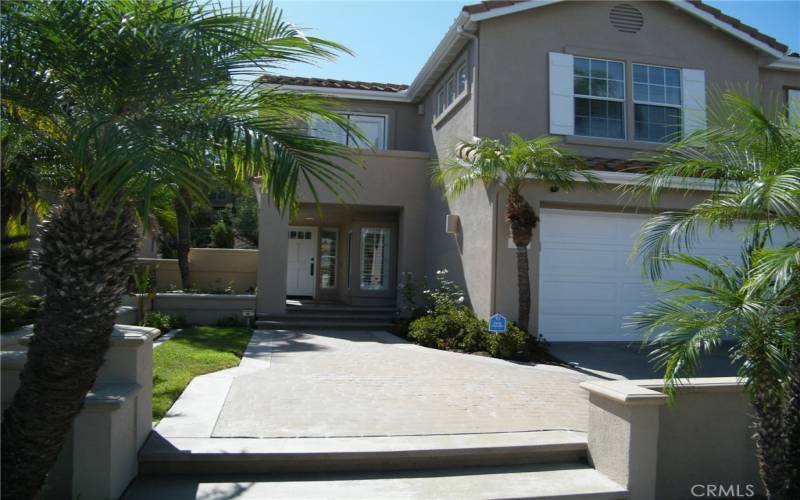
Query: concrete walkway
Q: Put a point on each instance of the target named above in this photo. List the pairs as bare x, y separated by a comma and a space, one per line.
337, 384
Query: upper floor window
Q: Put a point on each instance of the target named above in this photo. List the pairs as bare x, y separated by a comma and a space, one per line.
657, 102
372, 126
599, 90
454, 86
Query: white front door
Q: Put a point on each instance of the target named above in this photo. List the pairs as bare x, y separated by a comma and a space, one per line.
301, 270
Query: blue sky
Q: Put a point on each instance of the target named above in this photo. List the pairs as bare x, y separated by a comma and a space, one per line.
393, 39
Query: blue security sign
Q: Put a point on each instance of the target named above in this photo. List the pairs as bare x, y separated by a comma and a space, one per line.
497, 323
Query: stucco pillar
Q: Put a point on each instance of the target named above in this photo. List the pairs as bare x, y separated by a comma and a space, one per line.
623, 434
273, 245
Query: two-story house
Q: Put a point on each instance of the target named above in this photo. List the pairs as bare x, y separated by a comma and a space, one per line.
610, 78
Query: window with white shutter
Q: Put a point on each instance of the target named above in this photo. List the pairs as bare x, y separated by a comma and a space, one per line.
562, 106
793, 104
693, 87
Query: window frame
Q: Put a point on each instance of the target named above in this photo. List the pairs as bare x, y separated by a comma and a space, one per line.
335, 231
679, 107
451, 76
348, 137
387, 258
623, 100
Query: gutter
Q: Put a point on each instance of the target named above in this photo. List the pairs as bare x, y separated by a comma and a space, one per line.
448, 42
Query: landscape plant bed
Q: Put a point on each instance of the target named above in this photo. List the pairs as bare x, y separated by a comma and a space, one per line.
192, 352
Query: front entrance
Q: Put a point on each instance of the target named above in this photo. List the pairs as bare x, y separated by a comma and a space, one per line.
301, 269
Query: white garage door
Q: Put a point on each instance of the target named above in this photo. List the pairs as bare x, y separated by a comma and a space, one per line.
588, 285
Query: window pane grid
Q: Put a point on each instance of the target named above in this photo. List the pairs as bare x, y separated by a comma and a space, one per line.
374, 258
372, 126
657, 101
599, 90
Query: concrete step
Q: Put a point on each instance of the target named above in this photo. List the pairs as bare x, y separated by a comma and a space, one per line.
175, 456
333, 324
302, 316
561, 481
341, 310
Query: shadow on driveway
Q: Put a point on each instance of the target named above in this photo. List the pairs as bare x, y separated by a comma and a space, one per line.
631, 360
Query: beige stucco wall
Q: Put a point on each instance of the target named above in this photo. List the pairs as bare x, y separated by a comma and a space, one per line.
775, 83
608, 197
210, 268
467, 255
513, 73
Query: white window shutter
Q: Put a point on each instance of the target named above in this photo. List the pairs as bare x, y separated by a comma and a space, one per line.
562, 103
693, 83
793, 103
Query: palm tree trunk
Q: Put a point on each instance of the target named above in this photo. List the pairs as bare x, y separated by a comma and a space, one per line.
523, 288
86, 258
523, 219
183, 207
792, 417
770, 446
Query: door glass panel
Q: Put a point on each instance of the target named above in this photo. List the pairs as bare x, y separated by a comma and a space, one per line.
327, 265
374, 258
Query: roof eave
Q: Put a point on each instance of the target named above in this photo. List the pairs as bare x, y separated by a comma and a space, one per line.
358, 94
785, 63
442, 51
468, 22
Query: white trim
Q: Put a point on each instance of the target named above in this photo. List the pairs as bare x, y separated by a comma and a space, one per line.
511, 9
790, 63
441, 52
367, 95
629, 178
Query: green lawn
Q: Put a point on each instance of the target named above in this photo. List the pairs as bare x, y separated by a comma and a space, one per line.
193, 352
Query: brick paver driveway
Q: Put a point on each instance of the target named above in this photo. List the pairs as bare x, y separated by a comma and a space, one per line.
317, 384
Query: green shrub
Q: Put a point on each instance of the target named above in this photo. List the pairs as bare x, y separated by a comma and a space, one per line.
158, 319
511, 344
426, 331
222, 235
456, 328
179, 321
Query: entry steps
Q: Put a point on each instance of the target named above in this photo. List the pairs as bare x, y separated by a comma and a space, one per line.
539, 464
333, 316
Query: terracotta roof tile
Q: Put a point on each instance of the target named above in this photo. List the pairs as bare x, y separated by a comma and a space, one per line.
617, 165
333, 84
488, 5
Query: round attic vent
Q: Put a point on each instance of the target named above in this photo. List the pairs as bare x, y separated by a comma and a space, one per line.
626, 18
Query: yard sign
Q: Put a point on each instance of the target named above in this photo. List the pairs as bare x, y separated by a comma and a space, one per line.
497, 323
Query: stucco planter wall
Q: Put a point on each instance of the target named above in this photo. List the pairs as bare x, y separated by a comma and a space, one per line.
658, 451
210, 268
99, 459
204, 309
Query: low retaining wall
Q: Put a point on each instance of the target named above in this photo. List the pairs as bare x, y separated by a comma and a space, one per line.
204, 309
99, 459
210, 268
679, 451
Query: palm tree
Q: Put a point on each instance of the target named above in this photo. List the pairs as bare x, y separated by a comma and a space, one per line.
752, 157
134, 95
511, 166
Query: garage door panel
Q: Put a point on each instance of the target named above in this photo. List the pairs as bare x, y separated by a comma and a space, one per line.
579, 290
590, 285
